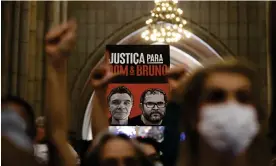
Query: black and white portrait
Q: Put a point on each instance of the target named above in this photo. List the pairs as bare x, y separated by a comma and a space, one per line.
153, 107
120, 102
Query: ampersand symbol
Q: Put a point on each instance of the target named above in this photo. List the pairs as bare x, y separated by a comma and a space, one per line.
131, 71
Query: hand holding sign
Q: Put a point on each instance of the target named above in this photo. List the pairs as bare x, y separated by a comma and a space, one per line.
102, 76
175, 75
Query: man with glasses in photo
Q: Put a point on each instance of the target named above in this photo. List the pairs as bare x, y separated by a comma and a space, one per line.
153, 106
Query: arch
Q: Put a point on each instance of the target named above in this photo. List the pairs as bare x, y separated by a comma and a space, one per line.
82, 94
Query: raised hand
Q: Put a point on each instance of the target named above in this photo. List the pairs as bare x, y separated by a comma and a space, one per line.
174, 76
102, 76
60, 40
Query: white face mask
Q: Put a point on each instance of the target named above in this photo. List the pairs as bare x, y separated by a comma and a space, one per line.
228, 127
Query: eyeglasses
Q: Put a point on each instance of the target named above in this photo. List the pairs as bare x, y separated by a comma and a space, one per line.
217, 95
152, 104
128, 161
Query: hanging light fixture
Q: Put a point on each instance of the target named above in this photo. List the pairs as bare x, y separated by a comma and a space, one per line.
166, 23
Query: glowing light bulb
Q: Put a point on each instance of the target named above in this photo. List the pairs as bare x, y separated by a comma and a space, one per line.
168, 16
158, 9
179, 30
184, 22
153, 37
175, 1
180, 25
177, 19
146, 38
178, 36
163, 8
187, 33
148, 21
143, 35
169, 33
172, 15
152, 14
170, 8
179, 11
174, 26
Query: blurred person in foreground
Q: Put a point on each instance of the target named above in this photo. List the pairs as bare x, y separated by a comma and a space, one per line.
17, 132
18, 117
151, 148
115, 150
18, 121
59, 42
41, 148
221, 115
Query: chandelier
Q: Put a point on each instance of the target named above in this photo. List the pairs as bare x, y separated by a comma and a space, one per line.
166, 23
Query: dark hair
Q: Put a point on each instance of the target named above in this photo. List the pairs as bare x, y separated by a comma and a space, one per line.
152, 91
189, 98
124, 136
94, 157
28, 110
119, 89
149, 141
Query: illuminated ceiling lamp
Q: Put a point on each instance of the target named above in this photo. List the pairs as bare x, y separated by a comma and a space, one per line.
166, 23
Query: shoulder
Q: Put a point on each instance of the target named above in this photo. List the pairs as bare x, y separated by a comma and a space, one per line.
135, 118
135, 121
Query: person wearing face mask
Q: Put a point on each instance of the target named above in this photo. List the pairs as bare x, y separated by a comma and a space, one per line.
153, 105
221, 115
18, 121
120, 101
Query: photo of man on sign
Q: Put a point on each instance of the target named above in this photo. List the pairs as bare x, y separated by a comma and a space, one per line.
153, 106
120, 102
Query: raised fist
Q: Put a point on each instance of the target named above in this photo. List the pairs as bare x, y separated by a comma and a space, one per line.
102, 76
60, 40
175, 75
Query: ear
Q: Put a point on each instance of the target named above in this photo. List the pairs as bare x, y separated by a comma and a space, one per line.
108, 106
141, 107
